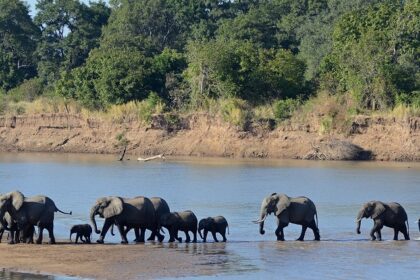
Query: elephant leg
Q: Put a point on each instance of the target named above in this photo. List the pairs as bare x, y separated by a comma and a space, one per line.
376, 229
195, 236
1, 234
122, 234
302, 233
214, 236
39, 239
395, 234
142, 235
107, 224
404, 231
77, 238
152, 236
176, 235
315, 229
187, 236
205, 235
223, 233
279, 231
50, 230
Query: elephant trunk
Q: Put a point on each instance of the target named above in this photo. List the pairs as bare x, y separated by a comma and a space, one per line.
3, 223
92, 219
70, 236
263, 216
359, 220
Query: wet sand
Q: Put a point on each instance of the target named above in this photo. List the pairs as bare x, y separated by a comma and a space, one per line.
109, 261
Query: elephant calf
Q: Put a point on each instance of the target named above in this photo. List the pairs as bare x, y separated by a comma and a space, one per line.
184, 221
81, 231
390, 215
214, 225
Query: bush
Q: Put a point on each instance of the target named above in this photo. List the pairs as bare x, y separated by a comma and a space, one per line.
283, 109
153, 104
235, 111
29, 90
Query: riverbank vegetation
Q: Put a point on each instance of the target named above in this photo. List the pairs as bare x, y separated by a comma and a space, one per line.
242, 60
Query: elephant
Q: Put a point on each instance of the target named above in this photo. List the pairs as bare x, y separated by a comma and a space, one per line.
28, 212
390, 215
299, 210
82, 231
214, 225
179, 221
161, 207
137, 213
418, 222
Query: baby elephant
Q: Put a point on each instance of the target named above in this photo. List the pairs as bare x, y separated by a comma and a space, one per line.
214, 225
179, 221
81, 231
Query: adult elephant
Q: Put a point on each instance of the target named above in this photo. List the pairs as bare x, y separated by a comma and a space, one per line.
29, 212
299, 210
390, 215
161, 208
137, 213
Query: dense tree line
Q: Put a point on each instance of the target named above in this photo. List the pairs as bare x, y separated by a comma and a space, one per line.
188, 51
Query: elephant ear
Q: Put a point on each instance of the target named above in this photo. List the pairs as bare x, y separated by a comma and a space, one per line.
282, 204
114, 207
378, 209
16, 198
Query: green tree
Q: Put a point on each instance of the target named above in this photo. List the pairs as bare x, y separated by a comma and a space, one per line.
70, 29
18, 38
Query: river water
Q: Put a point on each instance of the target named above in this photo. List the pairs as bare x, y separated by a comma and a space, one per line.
234, 189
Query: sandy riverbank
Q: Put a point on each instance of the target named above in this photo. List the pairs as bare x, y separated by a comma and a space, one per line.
109, 261
203, 135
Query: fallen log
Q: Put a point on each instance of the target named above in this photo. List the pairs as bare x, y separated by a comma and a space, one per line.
161, 156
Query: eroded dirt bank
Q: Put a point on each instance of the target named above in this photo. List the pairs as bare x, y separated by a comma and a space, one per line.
203, 135
108, 261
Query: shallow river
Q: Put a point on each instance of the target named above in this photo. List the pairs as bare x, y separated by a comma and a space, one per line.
235, 189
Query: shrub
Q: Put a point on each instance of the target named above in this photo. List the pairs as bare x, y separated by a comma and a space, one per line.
153, 104
235, 111
283, 109
29, 90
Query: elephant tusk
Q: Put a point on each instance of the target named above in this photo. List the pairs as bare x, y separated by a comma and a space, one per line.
259, 221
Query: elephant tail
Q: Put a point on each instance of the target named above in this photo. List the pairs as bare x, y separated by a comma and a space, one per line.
58, 210
408, 228
228, 229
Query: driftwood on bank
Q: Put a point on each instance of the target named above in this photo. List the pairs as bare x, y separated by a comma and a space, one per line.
337, 150
161, 156
123, 154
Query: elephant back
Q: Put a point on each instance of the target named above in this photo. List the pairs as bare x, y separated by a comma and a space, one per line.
398, 211
303, 209
40, 203
160, 205
139, 209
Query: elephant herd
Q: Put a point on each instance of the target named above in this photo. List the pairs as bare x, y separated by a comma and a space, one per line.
19, 215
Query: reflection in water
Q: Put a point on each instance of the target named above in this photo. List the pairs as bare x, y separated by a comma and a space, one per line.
234, 189
10, 275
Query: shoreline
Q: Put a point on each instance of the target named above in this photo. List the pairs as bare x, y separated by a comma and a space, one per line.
202, 135
147, 261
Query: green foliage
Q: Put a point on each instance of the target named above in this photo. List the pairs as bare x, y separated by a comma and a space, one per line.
374, 54
152, 105
29, 90
284, 109
194, 53
18, 35
70, 29
235, 111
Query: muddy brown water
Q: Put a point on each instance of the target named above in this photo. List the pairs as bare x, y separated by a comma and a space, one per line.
234, 189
